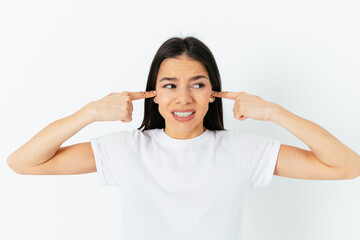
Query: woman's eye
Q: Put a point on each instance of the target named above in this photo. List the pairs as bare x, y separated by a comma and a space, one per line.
168, 85
200, 84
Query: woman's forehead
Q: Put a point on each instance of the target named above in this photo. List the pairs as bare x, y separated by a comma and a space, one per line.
185, 67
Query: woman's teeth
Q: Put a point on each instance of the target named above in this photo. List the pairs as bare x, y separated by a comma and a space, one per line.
183, 114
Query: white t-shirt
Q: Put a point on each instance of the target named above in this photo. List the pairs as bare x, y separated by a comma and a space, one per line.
177, 189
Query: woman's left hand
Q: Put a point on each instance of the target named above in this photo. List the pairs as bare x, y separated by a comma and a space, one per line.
248, 106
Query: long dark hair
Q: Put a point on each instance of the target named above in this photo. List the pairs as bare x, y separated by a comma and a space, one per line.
196, 50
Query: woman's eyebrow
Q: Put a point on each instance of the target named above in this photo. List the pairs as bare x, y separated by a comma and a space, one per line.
175, 79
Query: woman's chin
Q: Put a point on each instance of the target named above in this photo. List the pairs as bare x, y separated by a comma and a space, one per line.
184, 127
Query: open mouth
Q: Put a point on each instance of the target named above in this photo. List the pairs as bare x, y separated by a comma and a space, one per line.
183, 116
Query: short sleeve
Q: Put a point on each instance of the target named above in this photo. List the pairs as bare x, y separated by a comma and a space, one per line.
109, 152
260, 155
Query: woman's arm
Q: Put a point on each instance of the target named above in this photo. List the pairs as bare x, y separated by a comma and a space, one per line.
325, 146
46, 143
43, 146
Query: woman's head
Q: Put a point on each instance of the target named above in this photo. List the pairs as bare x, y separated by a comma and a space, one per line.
194, 73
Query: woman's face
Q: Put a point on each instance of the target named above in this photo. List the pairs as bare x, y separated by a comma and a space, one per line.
188, 89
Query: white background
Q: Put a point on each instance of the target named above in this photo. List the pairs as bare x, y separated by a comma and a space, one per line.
56, 56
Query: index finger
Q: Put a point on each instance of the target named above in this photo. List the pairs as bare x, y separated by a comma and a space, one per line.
142, 94
225, 94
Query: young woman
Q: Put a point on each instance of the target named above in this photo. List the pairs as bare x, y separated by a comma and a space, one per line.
183, 175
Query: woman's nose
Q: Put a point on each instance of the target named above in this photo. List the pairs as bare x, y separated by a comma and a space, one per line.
183, 96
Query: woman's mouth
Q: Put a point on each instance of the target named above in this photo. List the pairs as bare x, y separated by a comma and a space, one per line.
183, 116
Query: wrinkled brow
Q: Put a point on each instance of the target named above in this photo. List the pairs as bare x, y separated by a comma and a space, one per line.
175, 79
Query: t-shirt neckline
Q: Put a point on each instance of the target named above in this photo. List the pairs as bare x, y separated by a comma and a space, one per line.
164, 138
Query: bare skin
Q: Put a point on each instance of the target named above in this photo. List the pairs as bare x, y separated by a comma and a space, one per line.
46, 143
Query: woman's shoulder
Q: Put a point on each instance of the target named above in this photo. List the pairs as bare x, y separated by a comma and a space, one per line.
225, 132
235, 134
136, 134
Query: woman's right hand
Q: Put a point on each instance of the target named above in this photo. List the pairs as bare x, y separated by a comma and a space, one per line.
116, 106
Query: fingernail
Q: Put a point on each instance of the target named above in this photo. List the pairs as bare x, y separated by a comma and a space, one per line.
212, 92
154, 92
